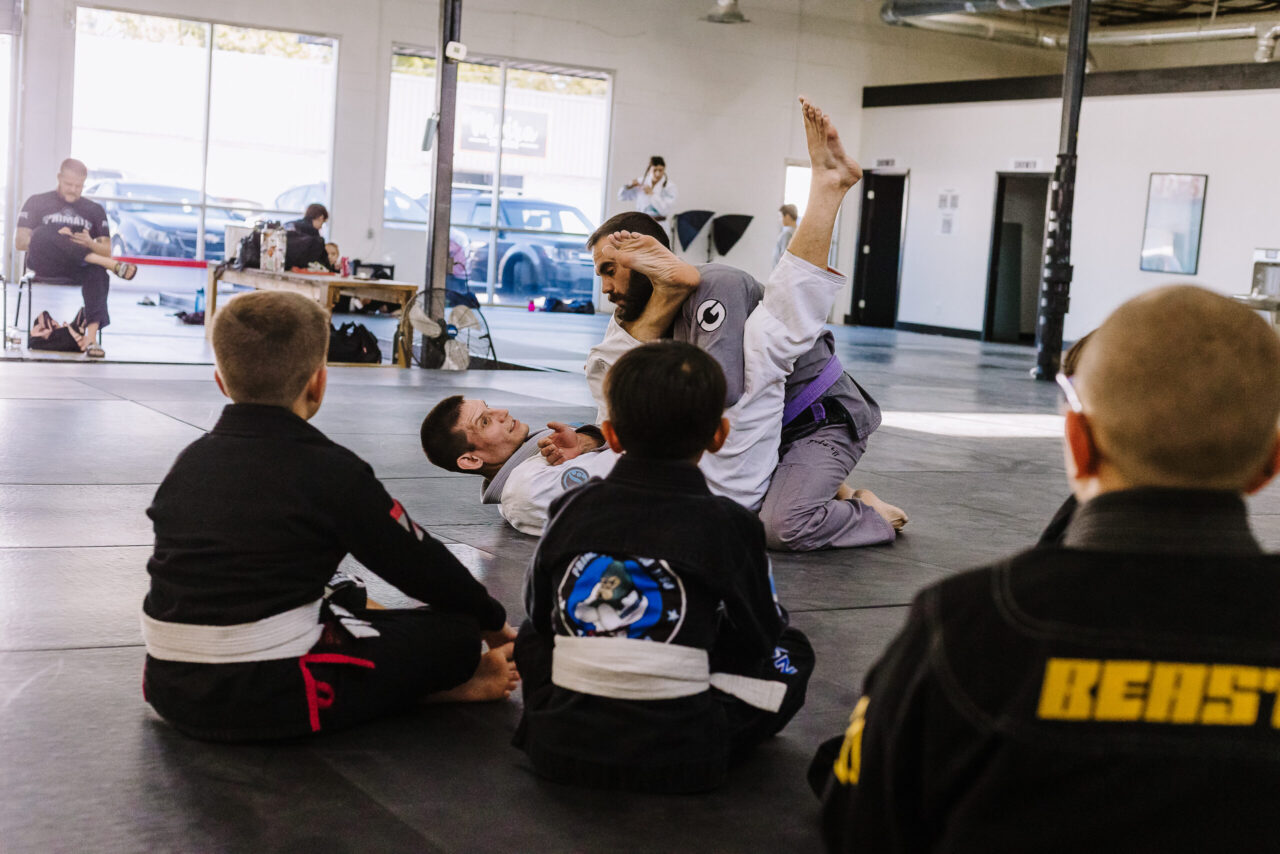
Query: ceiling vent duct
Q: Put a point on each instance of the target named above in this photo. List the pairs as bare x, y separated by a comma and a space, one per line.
726, 12
959, 18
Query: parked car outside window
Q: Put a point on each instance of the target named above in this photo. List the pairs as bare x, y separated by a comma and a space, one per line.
159, 221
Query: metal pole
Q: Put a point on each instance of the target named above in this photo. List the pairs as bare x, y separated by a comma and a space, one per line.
1055, 286
438, 261
494, 210
204, 153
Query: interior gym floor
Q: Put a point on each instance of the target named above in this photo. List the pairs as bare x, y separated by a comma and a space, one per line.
968, 448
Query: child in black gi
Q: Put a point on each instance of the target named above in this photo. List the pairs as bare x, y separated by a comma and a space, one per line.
656, 652
253, 520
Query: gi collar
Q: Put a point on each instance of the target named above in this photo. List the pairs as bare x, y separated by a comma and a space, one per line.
492, 489
662, 475
1181, 521
258, 419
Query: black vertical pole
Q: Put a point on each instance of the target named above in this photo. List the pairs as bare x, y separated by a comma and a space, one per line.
438, 261
1055, 286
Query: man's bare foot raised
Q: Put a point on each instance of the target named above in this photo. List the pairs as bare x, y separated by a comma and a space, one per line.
830, 163
895, 516
494, 679
646, 255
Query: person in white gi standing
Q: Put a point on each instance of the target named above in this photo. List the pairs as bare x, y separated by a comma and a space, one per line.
653, 193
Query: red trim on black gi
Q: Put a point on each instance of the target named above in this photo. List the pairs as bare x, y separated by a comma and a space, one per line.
316, 702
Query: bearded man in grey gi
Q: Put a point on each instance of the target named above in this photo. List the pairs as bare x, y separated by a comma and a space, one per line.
827, 419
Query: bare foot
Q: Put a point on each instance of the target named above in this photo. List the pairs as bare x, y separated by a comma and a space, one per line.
844, 493
647, 255
895, 516
494, 679
830, 163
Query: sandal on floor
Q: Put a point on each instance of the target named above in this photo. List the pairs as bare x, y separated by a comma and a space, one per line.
95, 351
125, 270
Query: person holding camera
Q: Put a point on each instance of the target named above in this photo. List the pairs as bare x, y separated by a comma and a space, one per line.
652, 193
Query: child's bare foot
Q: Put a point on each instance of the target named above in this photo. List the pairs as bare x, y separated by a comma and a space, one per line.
646, 255
895, 516
494, 679
844, 493
827, 156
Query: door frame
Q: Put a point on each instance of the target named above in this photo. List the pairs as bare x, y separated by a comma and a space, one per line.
851, 318
993, 248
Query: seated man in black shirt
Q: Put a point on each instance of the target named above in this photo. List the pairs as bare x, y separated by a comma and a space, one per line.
656, 652
251, 523
66, 236
1119, 691
303, 243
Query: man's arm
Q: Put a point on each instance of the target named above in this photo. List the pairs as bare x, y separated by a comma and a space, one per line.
21, 239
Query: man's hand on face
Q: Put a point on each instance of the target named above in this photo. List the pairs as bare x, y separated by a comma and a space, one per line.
82, 238
564, 444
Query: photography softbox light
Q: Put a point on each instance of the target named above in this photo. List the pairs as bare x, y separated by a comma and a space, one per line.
727, 230
689, 223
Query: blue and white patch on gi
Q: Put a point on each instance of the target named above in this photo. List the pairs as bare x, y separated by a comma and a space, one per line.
782, 662
575, 476
710, 315
604, 596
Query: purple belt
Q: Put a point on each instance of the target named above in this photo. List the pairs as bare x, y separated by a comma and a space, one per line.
813, 392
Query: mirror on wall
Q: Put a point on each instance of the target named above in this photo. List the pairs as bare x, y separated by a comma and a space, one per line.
1175, 212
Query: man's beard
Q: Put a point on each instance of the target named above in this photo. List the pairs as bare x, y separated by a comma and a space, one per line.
639, 289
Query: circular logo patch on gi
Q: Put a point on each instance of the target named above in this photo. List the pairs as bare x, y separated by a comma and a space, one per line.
711, 314
604, 596
575, 476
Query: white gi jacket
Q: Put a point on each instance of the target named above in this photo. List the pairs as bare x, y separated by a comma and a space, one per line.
659, 204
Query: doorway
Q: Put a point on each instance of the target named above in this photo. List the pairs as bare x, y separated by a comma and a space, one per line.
1017, 253
880, 228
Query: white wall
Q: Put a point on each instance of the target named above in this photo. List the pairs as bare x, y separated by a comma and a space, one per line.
717, 101
1229, 136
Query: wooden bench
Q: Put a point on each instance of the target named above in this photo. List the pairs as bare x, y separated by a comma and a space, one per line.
324, 289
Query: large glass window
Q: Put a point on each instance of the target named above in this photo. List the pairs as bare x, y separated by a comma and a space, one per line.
541, 135
235, 124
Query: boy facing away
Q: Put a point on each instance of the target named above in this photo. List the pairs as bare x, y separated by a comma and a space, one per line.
656, 653
253, 520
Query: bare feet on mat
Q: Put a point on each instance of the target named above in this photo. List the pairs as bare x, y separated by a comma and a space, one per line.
646, 255
895, 516
494, 679
830, 163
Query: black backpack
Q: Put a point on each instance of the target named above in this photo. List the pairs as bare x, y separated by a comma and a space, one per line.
353, 342
249, 255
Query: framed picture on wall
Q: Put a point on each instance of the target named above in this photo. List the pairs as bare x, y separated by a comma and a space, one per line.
1175, 212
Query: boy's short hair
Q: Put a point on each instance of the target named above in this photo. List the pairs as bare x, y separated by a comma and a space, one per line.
665, 400
314, 211
267, 344
442, 441
790, 210
640, 223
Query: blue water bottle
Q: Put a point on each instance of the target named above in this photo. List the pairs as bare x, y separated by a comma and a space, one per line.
199, 300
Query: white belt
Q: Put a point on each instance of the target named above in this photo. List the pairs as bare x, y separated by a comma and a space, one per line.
287, 635
628, 669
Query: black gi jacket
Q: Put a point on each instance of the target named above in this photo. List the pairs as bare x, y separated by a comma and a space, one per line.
1115, 694
304, 245
722, 601
252, 521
